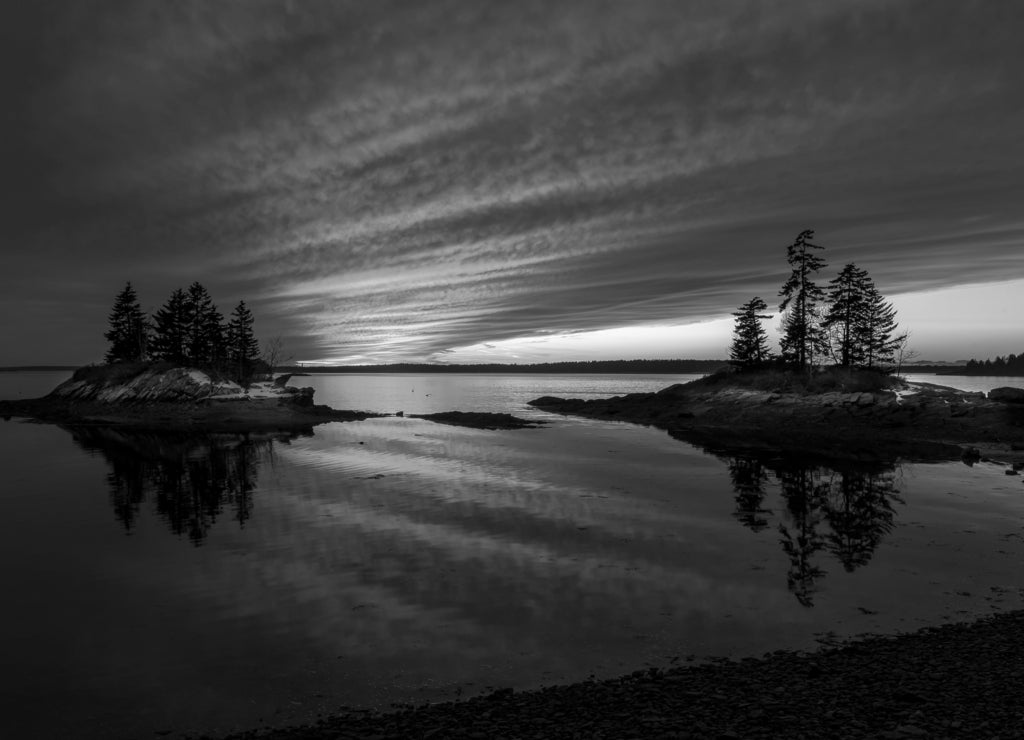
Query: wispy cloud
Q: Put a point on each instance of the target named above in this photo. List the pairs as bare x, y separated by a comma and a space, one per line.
393, 180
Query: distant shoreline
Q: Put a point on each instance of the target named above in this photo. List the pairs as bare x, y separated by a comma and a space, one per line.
591, 367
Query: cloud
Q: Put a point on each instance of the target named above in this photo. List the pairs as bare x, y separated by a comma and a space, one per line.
397, 179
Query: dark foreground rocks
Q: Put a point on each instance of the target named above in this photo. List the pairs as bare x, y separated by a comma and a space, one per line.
913, 421
955, 681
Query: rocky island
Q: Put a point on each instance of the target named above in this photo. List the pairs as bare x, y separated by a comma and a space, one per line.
894, 419
166, 397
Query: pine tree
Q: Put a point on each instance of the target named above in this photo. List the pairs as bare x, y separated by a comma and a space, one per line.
129, 330
877, 331
171, 323
243, 351
750, 340
848, 295
801, 334
204, 333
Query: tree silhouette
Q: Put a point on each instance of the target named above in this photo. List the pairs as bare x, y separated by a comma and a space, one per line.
129, 330
243, 351
877, 331
204, 332
848, 298
801, 335
171, 329
750, 340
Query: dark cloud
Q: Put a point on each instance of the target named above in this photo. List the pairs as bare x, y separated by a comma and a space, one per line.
396, 179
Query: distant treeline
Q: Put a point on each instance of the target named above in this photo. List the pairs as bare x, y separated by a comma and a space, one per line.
936, 369
632, 367
36, 368
1009, 365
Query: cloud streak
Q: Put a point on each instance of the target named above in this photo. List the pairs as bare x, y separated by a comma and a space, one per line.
399, 179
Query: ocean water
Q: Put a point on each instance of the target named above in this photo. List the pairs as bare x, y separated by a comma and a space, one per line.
176, 584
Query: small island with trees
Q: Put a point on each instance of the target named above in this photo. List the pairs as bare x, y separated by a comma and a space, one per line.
184, 368
833, 389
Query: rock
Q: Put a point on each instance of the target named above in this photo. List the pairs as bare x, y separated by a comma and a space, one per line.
142, 384
865, 399
971, 455
302, 397
1007, 395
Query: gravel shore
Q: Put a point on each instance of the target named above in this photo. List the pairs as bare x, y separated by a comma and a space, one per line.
954, 681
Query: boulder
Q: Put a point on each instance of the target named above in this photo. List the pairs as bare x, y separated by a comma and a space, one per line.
302, 397
1007, 395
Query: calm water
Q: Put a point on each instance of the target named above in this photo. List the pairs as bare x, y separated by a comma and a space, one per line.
160, 582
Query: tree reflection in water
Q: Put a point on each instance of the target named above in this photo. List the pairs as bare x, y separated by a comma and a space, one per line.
192, 478
845, 510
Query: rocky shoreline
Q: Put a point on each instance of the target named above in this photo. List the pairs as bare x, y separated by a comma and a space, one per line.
953, 681
910, 421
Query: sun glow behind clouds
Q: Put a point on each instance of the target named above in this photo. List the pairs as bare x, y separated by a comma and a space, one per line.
699, 340
990, 315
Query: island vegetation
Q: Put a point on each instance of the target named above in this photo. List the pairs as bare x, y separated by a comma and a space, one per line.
188, 331
849, 326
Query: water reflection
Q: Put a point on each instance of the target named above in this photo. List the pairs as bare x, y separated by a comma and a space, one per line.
845, 511
191, 478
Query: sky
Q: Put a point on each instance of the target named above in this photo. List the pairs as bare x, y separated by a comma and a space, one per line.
465, 181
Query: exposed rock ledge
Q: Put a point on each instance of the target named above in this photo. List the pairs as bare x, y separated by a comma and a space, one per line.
175, 398
912, 420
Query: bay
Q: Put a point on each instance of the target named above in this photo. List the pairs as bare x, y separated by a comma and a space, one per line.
224, 582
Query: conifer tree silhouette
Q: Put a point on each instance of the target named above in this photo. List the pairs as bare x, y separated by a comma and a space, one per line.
204, 333
243, 351
171, 325
801, 334
848, 296
750, 340
876, 333
129, 329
